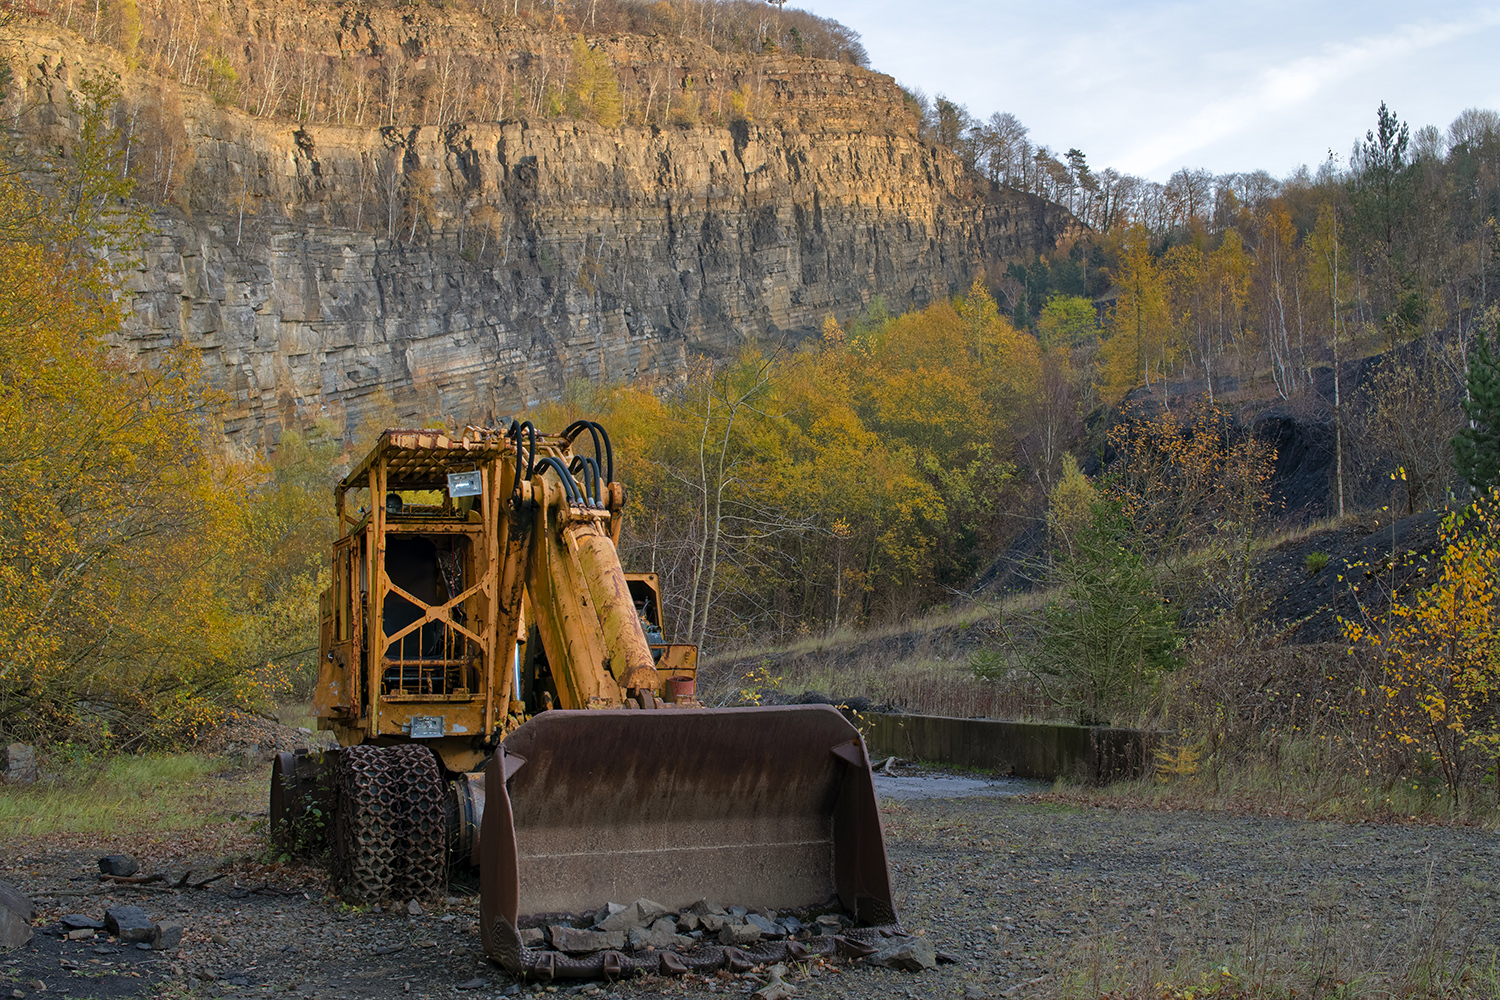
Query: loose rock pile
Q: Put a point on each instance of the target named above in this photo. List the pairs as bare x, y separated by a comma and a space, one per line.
645, 924
646, 936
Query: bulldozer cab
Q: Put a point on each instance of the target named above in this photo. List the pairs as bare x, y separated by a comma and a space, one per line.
409, 633
476, 582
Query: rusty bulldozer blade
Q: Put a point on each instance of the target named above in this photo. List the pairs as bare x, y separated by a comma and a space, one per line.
761, 807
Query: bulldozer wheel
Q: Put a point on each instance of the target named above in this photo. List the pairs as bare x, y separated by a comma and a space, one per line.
367, 841
419, 869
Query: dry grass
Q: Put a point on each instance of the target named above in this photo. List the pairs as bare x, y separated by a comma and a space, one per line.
136, 794
1301, 532
1293, 731
920, 667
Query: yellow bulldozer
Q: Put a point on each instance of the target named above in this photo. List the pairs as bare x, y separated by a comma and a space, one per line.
503, 697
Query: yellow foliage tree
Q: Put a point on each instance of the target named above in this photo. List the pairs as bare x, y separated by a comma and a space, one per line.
120, 623
1140, 323
1070, 504
593, 88
1441, 650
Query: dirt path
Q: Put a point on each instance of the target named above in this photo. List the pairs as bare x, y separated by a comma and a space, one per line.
1031, 898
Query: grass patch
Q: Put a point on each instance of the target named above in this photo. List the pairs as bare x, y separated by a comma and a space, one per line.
297, 715
923, 667
1297, 775
134, 794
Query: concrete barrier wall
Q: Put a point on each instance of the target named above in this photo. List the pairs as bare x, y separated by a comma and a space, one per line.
1096, 754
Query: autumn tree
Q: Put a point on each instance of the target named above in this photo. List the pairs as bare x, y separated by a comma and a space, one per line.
146, 581
593, 88
1140, 323
1441, 677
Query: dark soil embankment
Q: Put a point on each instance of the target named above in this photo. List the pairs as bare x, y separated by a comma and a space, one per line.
1366, 561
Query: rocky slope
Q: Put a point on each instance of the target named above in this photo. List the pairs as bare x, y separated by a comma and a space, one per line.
470, 270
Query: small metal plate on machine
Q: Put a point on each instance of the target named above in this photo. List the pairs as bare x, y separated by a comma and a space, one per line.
464, 484
426, 727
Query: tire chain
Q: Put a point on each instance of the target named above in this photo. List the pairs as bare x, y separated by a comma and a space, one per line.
366, 828
420, 869
390, 831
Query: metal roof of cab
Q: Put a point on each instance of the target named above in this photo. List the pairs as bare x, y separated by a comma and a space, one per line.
422, 459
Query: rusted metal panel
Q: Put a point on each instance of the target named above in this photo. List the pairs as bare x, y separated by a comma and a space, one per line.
762, 807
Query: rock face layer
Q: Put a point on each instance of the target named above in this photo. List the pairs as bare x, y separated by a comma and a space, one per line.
472, 270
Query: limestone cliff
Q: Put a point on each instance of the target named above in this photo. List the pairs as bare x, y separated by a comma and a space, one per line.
472, 269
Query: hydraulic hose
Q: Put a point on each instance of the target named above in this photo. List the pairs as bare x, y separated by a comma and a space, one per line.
515, 433
604, 456
555, 464
592, 486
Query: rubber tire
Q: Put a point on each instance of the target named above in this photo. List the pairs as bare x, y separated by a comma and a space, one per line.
284, 800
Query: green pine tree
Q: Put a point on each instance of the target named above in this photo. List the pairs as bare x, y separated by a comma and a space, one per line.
1476, 448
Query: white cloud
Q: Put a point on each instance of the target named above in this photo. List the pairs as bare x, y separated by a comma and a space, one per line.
1293, 85
1153, 85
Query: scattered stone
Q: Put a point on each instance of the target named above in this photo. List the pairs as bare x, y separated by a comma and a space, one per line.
143, 946
703, 907
414, 908
119, 864
662, 934
390, 949
609, 910
738, 911
576, 941
792, 924
81, 921
474, 984
687, 923
739, 934
768, 928
947, 958
641, 913
14, 900
14, 931
831, 923
128, 923
909, 954
713, 923
20, 766
166, 935
532, 937
79, 934
776, 988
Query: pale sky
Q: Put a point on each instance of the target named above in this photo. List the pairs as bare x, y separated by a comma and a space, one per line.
1147, 87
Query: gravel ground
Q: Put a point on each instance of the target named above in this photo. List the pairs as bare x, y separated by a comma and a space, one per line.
1031, 897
